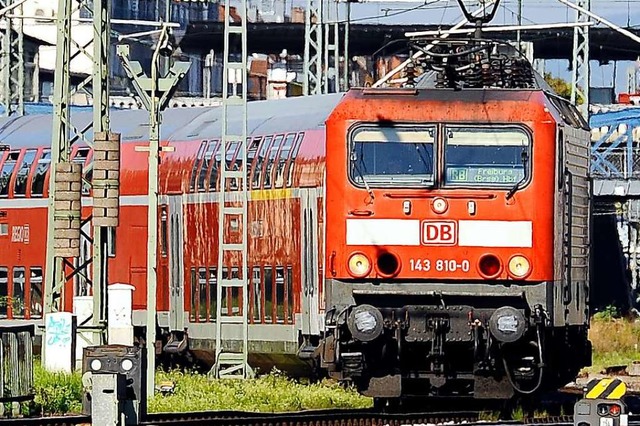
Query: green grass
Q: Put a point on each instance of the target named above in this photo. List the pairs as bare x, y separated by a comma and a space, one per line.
271, 393
615, 342
59, 393
56, 393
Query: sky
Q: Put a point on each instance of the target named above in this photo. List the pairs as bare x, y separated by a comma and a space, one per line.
625, 13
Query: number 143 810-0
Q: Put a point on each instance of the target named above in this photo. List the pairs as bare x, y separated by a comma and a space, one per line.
439, 265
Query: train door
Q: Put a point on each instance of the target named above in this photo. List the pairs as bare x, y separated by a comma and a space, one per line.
176, 263
309, 261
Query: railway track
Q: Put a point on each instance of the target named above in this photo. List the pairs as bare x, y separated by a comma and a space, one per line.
366, 417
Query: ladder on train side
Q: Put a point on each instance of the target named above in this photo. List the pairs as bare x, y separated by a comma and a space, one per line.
232, 322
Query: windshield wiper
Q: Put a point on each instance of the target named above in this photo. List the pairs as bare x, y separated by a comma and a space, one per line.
518, 185
361, 175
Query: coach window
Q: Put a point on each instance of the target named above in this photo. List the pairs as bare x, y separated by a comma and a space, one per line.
37, 185
19, 283
236, 306
4, 291
280, 294
225, 297
232, 147
215, 166
290, 294
196, 164
262, 153
294, 155
81, 156
202, 292
256, 277
163, 231
392, 156
194, 295
213, 292
204, 166
35, 281
268, 294
251, 154
485, 156
22, 175
282, 160
7, 171
273, 156
234, 162
4, 229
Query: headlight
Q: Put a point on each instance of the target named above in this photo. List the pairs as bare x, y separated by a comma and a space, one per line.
126, 364
359, 265
365, 323
96, 364
519, 266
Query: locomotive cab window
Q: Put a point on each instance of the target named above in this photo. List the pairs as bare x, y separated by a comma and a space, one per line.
486, 156
398, 156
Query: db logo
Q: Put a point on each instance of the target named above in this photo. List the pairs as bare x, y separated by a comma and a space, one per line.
439, 233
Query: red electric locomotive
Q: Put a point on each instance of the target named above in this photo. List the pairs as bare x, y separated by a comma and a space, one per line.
457, 221
448, 257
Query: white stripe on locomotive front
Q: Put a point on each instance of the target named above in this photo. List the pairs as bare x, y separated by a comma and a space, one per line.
471, 233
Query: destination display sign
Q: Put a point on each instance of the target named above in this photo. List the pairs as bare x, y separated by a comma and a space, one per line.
498, 175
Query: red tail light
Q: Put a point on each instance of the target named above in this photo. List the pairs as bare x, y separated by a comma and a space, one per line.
489, 266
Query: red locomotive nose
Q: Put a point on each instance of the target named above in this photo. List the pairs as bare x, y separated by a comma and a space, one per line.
489, 266
388, 264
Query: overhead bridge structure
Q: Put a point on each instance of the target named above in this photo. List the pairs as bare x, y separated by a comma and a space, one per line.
615, 172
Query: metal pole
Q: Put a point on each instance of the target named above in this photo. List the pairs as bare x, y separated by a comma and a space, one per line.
313, 48
101, 39
60, 151
152, 219
580, 75
347, 60
518, 35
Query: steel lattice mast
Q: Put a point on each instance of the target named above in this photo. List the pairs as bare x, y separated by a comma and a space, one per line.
580, 75
12, 68
64, 201
233, 206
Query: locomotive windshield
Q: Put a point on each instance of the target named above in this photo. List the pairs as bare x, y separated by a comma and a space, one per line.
485, 156
392, 156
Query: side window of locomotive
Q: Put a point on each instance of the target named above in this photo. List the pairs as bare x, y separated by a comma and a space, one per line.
294, 155
7, 171
37, 185
399, 156
196, 164
257, 170
22, 174
485, 156
282, 160
204, 166
273, 156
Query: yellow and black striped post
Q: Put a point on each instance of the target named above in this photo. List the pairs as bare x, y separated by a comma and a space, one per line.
605, 389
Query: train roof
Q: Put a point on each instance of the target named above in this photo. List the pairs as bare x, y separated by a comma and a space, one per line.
181, 124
